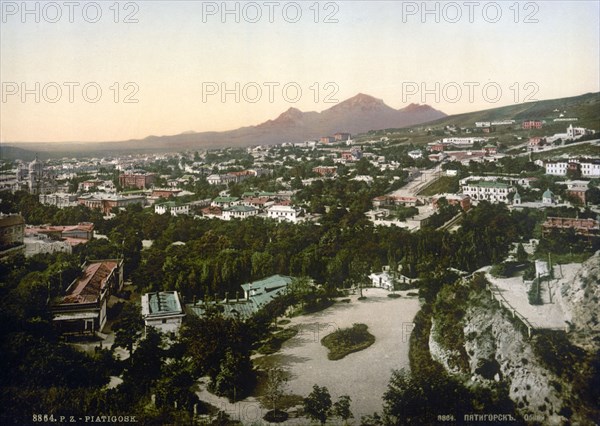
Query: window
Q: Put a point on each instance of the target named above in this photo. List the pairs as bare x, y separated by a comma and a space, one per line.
164, 321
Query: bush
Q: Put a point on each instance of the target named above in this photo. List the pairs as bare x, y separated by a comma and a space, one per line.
273, 343
345, 341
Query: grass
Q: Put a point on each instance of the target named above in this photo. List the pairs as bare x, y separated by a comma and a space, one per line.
585, 149
445, 184
347, 340
274, 342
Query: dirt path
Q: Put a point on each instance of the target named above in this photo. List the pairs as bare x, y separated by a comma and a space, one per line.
362, 375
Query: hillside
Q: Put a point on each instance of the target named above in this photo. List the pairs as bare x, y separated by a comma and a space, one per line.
358, 114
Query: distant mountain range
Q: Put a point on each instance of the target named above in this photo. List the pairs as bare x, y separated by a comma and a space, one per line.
358, 114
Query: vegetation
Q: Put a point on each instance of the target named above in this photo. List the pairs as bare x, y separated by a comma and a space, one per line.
347, 340
317, 404
274, 342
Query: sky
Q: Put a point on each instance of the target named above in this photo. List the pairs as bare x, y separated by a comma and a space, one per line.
106, 71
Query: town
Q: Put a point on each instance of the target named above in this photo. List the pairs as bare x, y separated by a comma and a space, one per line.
172, 287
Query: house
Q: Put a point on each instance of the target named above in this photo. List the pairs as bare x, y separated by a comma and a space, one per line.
163, 311
83, 309
327, 139
43, 244
284, 213
239, 212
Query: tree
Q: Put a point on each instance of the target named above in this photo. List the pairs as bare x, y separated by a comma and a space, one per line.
341, 408
276, 385
318, 403
128, 329
521, 253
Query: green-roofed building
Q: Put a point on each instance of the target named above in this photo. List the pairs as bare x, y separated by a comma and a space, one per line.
225, 202
162, 310
492, 191
256, 295
239, 212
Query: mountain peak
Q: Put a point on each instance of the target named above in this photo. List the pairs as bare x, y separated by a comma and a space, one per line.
361, 102
416, 107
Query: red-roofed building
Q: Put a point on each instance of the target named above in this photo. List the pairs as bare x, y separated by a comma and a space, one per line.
84, 305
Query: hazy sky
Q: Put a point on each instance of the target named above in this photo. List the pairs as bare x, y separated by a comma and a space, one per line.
179, 56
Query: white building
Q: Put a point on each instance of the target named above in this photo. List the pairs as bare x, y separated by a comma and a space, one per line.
42, 244
590, 168
238, 212
281, 213
173, 208
557, 168
163, 311
382, 280
416, 154
493, 192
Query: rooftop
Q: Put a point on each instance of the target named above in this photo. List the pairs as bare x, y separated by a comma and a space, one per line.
161, 303
87, 289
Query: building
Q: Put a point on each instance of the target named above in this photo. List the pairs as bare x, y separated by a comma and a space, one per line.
163, 311
256, 295
238, 212
165, 192
582, 227
91, 185
532, 124
173, 208
461, 200
43, 244
340, 136
493, 192
72, 234
83, 309
59, 199
325, 170
327, 139
557, 168
547, 197
106, 202
12, 229
137, 180
284, 213
590, 168
382, 280
225, 202
36, 177
415, 154
578, 192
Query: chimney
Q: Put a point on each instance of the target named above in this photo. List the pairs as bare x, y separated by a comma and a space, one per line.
216, 298
194, 300
226, 297
237, 296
